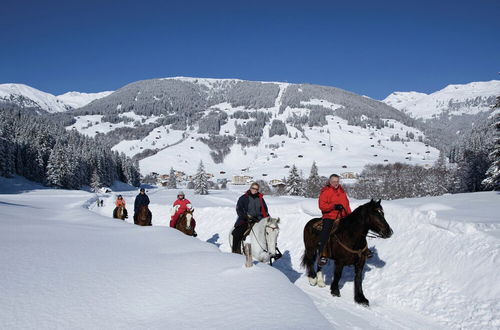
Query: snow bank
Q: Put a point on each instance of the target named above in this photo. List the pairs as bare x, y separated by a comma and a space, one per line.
438, 270
64, 267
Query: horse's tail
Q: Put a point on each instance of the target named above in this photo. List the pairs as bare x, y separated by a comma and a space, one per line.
306, 261
309, 245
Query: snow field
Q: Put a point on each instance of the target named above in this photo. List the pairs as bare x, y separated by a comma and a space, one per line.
65, 267
436, 271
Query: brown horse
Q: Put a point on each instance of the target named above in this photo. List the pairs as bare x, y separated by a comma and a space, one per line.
347, 246
185, 222
143, 216
119, 213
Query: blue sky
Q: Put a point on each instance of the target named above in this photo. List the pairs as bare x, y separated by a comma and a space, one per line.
368, 47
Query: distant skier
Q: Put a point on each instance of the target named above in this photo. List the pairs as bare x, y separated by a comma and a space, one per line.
102, 202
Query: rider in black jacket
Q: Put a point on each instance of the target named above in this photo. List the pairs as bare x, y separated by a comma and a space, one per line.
141, 200
251, 207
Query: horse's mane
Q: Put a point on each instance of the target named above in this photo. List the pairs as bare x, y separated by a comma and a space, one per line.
356, 217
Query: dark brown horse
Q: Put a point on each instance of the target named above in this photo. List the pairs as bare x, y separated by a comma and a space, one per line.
347, 246
143, 216
185, 223
119, 213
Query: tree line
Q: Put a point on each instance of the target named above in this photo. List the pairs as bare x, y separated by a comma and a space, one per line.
43, 151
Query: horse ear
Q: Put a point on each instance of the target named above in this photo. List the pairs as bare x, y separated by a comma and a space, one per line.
379, 201
278, 220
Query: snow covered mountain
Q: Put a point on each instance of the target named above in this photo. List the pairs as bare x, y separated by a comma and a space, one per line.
251, 128
454, 100
77, 100
29, 97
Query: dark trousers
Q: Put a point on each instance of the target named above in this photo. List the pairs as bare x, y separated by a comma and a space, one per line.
238, 233
325, 234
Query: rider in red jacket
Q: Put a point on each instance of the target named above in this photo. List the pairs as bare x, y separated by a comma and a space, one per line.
333, 204
181, 204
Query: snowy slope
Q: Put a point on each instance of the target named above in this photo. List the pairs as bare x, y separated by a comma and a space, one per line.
27, 96
336, 147
64, 267
438, 270
78, 100
454, 99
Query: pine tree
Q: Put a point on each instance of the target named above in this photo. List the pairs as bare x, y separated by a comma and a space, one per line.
492, 181
294, 183
95, 182
172, 179
201, 181
313, 183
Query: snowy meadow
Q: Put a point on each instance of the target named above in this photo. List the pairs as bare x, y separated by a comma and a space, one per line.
68, 264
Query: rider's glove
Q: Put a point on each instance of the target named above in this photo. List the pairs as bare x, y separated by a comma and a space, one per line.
338, 207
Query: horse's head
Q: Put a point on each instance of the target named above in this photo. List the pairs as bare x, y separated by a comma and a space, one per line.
188, 215
272, 230
377, 222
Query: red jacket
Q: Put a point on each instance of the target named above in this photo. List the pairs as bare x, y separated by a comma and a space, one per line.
183, 206
330, 196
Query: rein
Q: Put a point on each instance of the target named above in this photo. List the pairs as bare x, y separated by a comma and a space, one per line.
256, 238
358, 252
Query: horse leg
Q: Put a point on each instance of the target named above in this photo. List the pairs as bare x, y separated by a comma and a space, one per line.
359, 297
319, 277
337, 274
308, 262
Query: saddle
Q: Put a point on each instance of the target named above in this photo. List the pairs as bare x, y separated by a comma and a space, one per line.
318, 225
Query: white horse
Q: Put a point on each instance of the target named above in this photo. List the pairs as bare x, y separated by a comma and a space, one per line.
263, 240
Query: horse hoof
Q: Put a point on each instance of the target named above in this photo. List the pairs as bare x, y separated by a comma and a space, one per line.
321, 282
313, 281
363, 302
335, 292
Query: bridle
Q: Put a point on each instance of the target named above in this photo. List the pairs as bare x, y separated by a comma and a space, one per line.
278, 253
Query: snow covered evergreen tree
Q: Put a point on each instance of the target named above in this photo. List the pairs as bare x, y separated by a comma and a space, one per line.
40, 149
172, 179
95, 182
492, 181
201, 181
313, 183
294, 183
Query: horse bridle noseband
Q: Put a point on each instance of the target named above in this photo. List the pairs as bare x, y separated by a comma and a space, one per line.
278, 252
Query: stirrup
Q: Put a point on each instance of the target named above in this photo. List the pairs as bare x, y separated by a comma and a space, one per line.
369, 253
322, 261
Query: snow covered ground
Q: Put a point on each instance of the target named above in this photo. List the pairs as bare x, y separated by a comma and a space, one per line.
68, 264
65, 267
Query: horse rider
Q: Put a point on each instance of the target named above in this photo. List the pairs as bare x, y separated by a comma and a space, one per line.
251, 208
120, 202
140, 200
181, 205
334, 204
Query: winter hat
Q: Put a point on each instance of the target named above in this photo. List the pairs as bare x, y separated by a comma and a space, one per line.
181, 193
142, 189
